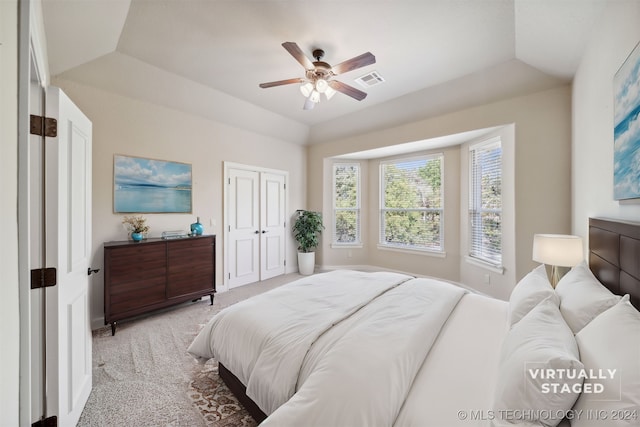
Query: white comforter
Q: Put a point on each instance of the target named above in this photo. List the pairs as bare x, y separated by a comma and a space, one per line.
361, 372
264, 340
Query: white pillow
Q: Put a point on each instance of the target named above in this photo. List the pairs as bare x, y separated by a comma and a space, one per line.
539, 343
583, 297
611, 341
529, 292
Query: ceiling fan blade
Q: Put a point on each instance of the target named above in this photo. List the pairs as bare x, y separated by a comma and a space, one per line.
354, 63
348, 90
280, 83
297, 53
308, 104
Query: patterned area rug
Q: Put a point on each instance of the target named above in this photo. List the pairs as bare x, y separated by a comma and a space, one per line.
219, 407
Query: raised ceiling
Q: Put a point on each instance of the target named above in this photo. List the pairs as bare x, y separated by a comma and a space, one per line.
207, 57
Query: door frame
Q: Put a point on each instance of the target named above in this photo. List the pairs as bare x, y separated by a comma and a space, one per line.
32, 56
225, 209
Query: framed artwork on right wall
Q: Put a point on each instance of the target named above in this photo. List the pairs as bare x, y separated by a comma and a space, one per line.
626, 132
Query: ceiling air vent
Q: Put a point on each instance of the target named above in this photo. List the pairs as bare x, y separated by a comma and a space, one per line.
370, 79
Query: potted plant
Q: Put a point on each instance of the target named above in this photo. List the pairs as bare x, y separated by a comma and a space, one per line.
136, 225
306, 230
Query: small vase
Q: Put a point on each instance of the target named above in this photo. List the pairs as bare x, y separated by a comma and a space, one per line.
136, 236
196, 228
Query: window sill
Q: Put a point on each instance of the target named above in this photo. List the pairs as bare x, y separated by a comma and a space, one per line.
493, 268
346, 246
437, 254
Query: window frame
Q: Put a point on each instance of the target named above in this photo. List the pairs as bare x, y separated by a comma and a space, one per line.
382, 244
475, 199
358, 240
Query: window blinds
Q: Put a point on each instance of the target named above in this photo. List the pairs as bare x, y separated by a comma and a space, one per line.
485, 202
411, 203
346, 203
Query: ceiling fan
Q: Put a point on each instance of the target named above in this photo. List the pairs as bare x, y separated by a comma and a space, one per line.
319, 75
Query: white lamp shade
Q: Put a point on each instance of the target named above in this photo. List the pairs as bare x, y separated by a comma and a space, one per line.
321, 85
306, 89
315, 96
557, 249
329, 92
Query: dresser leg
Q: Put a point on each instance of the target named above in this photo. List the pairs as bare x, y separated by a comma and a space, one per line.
211, 296
113, 328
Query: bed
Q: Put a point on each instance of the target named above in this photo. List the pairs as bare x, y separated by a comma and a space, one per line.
355, 348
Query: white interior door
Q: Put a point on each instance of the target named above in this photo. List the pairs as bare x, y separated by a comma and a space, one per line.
272, 225
243, 227
68, 237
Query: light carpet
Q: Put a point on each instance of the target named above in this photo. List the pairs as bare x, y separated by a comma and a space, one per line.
143, 376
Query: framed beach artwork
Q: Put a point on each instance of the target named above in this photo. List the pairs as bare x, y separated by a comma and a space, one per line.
626, 134
150, 186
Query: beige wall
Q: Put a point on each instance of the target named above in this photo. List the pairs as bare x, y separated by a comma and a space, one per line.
541, 181
123, 125
9, 300
612, 41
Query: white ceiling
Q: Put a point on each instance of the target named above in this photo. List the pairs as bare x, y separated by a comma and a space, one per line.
207, 57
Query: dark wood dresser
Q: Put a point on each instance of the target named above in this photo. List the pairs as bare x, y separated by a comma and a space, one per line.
143, 276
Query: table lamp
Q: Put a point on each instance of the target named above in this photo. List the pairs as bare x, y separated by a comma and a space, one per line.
557, 250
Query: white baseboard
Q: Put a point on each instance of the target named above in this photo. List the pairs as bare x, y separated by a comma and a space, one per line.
361, 267
97, 323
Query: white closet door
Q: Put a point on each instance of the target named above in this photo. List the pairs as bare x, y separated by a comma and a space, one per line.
255, 228
243, 227
272, 225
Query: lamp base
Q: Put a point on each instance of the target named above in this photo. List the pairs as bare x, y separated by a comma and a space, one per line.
555, 276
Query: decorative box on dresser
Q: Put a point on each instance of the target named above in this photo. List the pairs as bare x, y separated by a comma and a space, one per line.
140, 277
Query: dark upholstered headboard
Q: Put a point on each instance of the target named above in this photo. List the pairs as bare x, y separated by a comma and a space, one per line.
614, 256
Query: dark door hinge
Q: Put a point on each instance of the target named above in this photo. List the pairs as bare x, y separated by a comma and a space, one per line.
44, 126
43, 277
47, 422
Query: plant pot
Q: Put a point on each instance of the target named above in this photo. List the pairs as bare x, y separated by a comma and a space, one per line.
306, 262
136, 237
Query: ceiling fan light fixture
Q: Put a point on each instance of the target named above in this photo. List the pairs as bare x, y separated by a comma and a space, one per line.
315, 96
329, 92
308, 105
318, 77
306, 89
322, 85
